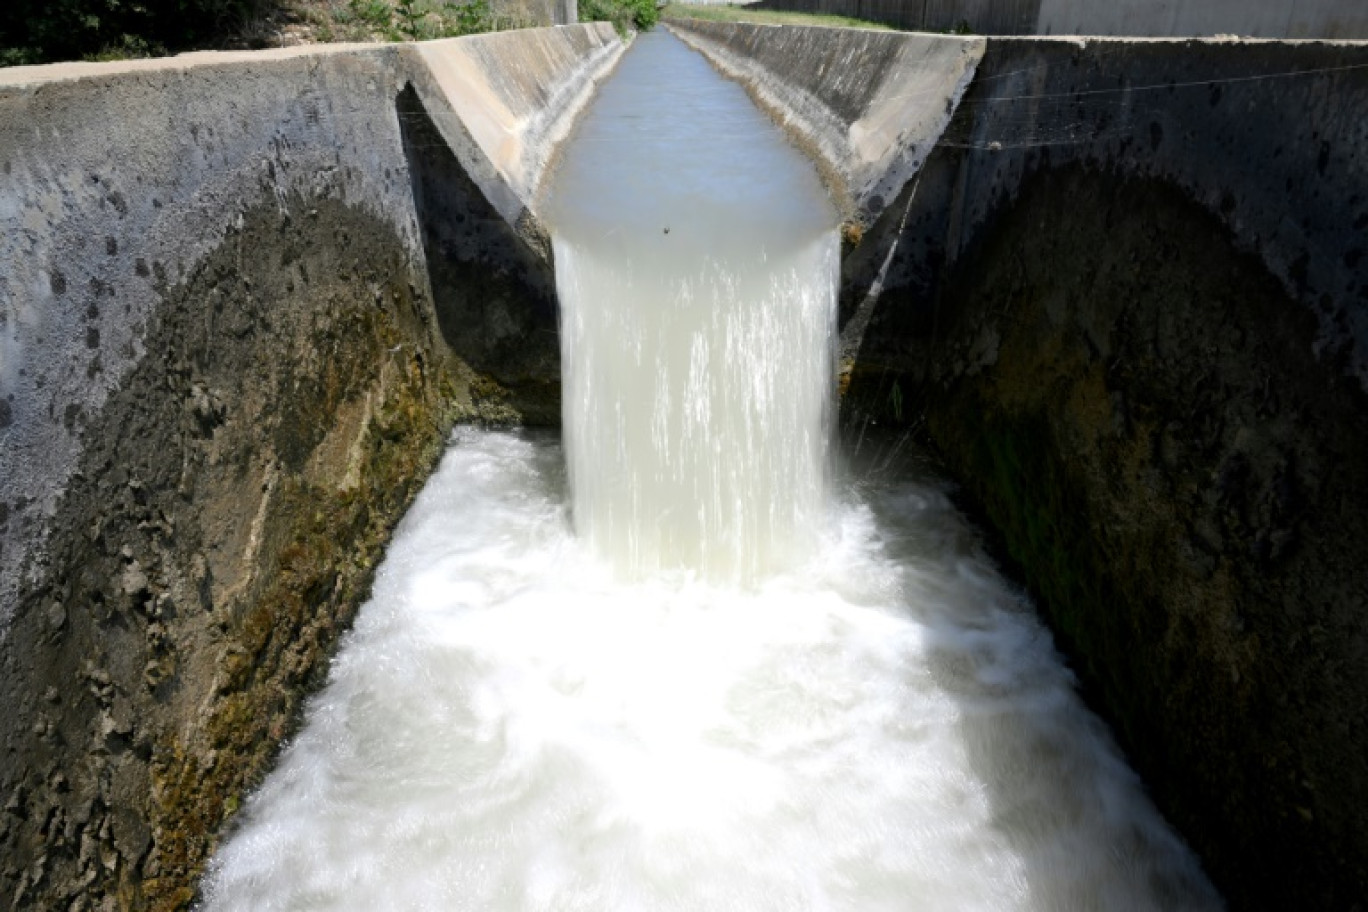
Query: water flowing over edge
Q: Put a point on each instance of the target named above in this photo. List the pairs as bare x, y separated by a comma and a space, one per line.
698, 406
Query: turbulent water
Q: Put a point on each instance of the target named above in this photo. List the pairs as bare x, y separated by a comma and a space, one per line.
511, 727
678, 664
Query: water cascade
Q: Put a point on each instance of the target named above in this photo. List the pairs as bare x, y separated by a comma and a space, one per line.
697, 259
677, 664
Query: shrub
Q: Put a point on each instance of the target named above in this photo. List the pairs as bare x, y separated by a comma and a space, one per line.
39, 31
624, 14
416, 20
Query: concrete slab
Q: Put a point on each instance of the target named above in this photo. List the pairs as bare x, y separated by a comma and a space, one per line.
517, 94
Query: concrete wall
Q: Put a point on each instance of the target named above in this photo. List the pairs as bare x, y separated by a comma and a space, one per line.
1125, 299
1159, 18
224, 372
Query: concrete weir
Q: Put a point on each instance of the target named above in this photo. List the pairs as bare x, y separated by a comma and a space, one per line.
1119, 285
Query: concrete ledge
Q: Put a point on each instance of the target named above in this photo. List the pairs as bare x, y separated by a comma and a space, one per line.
869, 106
121, 176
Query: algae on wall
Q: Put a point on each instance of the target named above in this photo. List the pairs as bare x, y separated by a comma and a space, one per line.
233, 498
1180, 480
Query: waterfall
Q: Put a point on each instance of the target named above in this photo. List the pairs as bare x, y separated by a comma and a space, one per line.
697, 404
737, 683
696, 266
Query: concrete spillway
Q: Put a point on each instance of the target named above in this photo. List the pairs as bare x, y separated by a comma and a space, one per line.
688, 668
237, 329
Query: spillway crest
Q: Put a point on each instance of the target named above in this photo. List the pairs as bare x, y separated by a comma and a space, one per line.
669, 660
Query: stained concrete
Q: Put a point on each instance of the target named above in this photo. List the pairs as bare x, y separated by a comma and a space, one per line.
1125, 299
225, 372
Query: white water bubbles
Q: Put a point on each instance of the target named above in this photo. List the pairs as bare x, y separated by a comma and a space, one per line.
511, 727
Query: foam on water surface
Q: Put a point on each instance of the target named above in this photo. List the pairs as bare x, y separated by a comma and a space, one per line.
510, 726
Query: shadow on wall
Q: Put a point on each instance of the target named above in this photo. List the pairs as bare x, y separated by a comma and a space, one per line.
494, 295
1161, 442
1125, 301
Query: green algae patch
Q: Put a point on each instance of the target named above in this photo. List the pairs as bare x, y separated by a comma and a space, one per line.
233, 501
1177, 475
331, 545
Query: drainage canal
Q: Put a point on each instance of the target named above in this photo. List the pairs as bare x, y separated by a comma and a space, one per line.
702, 668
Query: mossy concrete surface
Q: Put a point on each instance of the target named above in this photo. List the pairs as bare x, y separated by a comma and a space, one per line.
1183, 487
233, 496
1125, 301
224, 374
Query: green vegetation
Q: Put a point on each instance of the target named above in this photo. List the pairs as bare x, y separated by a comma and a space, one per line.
718, 13
35, 31
410, 20
626, 15
42, 31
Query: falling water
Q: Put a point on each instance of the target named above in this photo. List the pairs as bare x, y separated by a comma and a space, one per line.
853, 713
696, 261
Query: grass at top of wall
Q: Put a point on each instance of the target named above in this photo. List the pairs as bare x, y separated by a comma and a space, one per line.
728, 13
39, 31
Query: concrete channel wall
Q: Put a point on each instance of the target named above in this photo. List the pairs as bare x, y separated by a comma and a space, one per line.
226, 366
1119, 285
1126, 299
1151, 18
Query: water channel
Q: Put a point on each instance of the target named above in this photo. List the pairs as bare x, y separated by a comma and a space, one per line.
684, 655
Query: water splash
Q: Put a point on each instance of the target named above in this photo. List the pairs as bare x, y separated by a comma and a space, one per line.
510, 727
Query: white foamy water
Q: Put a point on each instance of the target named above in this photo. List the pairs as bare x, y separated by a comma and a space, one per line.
688, 677
509, 727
